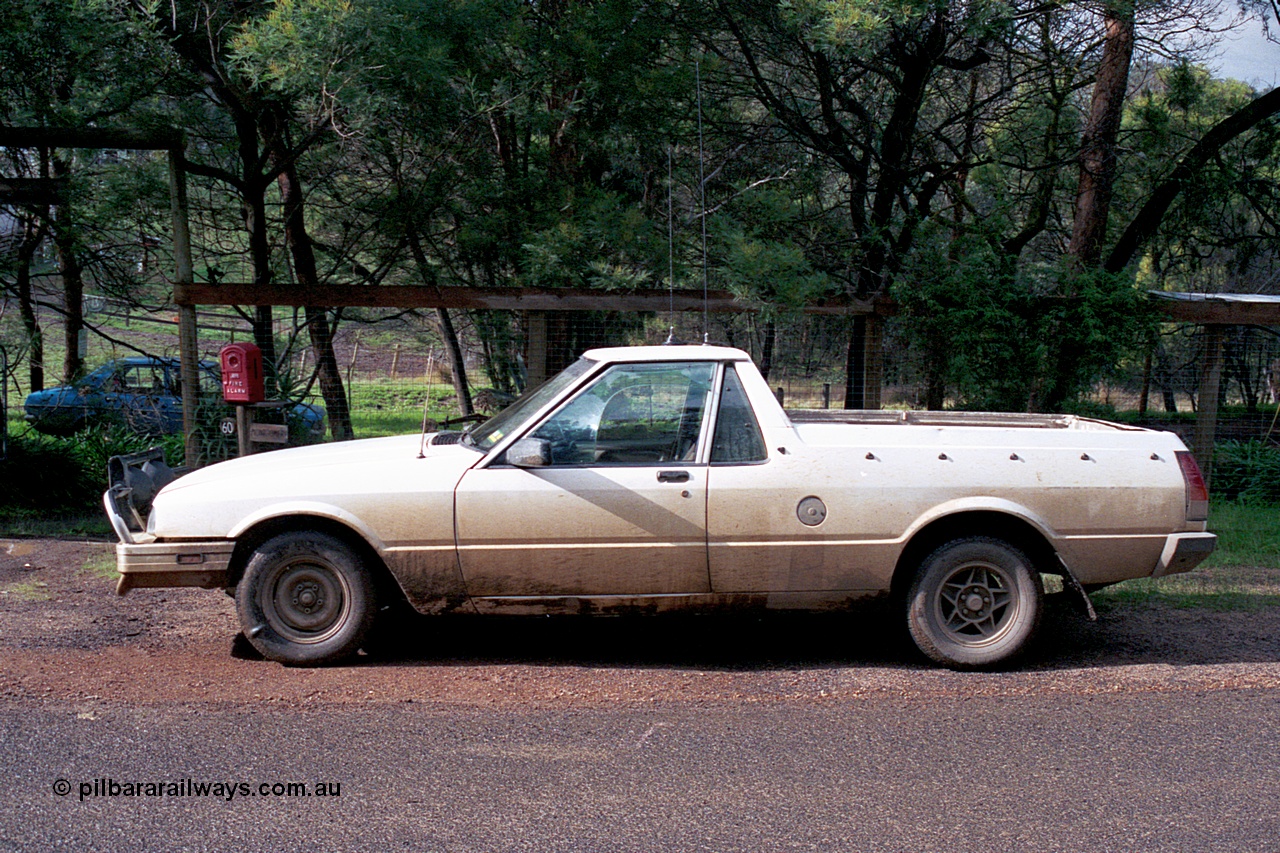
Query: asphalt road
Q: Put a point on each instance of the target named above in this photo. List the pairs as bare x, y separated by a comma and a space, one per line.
1149, 770
128, 724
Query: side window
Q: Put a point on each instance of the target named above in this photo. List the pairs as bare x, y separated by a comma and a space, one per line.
140, 379
737, 437
118, 381
634, 414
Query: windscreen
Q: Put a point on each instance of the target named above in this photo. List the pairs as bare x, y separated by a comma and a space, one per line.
512, 418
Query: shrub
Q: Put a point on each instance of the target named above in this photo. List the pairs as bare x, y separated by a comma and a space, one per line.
1247, 471
52, 474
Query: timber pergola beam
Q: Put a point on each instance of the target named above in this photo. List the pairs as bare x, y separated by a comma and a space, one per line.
1214, 311
500, 298
537, 303
1218, 309
52, 191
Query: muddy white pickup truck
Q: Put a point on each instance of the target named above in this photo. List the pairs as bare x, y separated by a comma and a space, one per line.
648, 479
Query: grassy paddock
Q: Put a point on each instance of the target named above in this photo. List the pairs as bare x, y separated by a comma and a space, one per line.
392, 407
1248, 535
374, 423
1207, 588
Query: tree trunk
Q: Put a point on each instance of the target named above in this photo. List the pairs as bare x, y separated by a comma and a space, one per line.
457, 363
1164, 380
1144, 397
1098, 143
31, 237
1095, 188
253, 208
72, 274
304, 265
766, 350
202, 53
494, 331
331, 388
937, 357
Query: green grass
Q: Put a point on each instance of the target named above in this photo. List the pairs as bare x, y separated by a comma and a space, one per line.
100, 566
29, 524
372, 423
26, 590
1219, 588
394, 407
1247, 535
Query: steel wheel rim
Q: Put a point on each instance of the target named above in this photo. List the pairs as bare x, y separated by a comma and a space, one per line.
307, 601
976, 604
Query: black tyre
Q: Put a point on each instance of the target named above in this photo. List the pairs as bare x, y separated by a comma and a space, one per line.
975, 603
306, 599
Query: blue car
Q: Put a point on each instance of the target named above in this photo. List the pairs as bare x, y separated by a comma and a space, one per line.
142, 392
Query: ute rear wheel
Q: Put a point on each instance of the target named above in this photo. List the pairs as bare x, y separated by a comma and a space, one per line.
975, 603
306, 599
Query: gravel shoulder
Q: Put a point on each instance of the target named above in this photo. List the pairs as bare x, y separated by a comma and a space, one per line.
68, 638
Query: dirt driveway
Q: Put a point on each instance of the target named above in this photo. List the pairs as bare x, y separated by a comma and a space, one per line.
67, 637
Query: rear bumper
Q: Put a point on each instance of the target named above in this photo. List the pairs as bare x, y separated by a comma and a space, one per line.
172, 564
1183, 552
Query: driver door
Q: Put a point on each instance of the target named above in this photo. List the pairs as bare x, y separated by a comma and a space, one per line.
620, 509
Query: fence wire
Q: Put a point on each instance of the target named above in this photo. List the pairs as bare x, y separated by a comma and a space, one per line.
396, 369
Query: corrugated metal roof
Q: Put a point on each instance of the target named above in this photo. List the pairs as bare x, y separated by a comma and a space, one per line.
1238, 298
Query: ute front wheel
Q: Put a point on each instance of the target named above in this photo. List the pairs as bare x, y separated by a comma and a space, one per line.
306, 599
974, 603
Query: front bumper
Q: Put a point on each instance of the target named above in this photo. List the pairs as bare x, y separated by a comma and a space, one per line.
171, 564
1183, 552
144, 563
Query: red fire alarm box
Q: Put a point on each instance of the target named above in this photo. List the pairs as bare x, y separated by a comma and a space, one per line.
242, 373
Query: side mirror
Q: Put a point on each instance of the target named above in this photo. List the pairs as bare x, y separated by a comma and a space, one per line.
530, 453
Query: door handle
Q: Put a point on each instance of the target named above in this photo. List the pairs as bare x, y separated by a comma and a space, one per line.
673, 476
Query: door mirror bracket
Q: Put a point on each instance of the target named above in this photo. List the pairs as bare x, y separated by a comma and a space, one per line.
530, 453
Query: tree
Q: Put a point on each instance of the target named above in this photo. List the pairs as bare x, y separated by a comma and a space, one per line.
1147, 220
856, 83
67, 65
201, 35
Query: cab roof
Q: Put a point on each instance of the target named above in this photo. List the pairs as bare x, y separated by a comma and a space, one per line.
677, 352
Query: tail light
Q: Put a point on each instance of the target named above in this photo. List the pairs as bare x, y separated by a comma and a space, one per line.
1197, 491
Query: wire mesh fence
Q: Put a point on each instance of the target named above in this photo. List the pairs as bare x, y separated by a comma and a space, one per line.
396, 364
398, 369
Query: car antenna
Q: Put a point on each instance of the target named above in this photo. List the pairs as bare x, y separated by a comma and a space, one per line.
422, 438
426, 407
702, 197
671, 259
671, 340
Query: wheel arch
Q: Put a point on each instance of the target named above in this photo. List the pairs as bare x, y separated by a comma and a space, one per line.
252, 537
997, 524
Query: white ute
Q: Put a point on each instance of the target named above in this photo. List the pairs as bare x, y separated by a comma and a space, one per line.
646, 479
